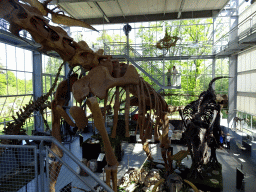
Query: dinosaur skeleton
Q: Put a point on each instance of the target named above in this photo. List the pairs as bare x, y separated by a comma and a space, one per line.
103, 74
201, 119
167, 42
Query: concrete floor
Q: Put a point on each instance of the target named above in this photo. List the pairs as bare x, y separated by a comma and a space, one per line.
134, 156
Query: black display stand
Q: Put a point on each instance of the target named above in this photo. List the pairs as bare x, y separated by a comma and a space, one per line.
133, 139
239, 178
101, 164
91, 150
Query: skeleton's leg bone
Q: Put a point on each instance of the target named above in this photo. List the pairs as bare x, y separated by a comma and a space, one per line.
116, 109
140, 126
169, 155
56, 128
111, 172
110, 156
54, 170
148, 130
150, 104
147, 150
108, 175
114, 177
64, 114
79, 116
165, 143
163, 152
99, 123
156, 136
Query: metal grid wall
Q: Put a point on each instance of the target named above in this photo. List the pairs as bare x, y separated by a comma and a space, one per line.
69, 176
18, 168
33, 167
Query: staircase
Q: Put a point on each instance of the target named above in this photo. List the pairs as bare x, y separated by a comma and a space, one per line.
147, 69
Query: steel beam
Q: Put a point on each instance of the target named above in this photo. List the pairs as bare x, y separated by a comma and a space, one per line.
181, 8
170, 57
153, 17
232, 91
100, 9
37, 88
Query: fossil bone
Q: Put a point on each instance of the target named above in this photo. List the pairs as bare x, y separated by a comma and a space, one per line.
104, 73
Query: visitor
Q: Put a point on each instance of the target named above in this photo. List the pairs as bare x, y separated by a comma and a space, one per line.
224, 139
174, 76
168, 74
170, 132
221, 140
228, 140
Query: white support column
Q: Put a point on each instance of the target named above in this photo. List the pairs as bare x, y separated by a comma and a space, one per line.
213, 52
232, 100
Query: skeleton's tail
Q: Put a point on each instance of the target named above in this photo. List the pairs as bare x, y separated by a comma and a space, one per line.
15, 127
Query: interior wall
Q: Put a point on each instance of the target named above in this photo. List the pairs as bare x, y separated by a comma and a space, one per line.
243, 18
246, 78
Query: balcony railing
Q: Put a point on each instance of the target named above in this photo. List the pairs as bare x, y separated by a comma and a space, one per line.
150, 50
244, 29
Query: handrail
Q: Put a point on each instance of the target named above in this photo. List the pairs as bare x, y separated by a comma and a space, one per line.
146, 73
236, 27
58, 144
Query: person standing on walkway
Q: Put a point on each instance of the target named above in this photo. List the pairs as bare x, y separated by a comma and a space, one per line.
168, 74
224, 139
228, 140
174, 76
170, 132
221, 140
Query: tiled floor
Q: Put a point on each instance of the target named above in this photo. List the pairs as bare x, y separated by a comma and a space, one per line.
134, 156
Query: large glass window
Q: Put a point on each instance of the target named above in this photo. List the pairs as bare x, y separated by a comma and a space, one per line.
16, 87
50, 66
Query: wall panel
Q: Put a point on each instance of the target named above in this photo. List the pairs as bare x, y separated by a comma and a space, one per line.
246, 81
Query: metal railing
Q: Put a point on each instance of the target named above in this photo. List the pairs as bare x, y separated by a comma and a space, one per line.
158, 79
244, 29
150, 50
29, 167
18, 168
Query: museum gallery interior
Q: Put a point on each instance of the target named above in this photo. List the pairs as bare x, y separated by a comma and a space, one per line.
127, 95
